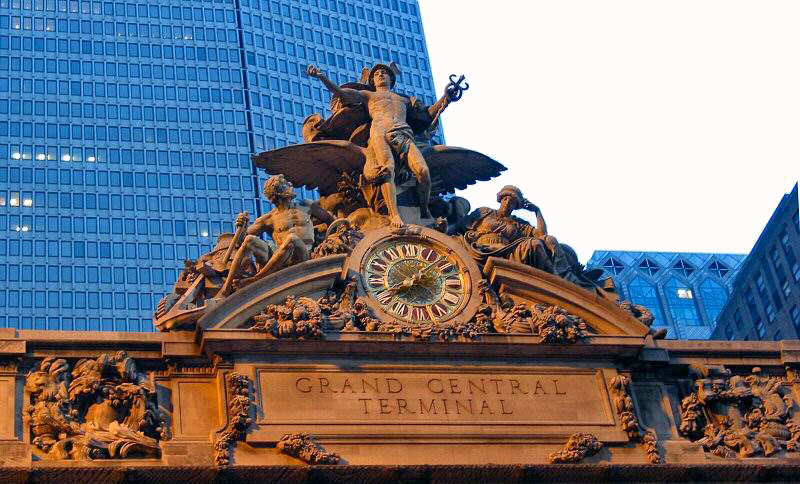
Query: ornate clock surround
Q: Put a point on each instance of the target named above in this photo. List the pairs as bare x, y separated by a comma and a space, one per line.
444, 245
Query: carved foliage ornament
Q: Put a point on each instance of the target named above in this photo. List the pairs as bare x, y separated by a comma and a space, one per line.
740, 416
305, 448
101, 408
623, 404
576, 449
239, 403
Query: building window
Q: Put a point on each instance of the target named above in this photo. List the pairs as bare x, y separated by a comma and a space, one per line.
714, 297
771, 313
684, 268
681, 304
777, 336
751, 304
644, 293
737, 318
795, 314
729, 333
760, 329
649, 267
719, 269
787, 247
613, 266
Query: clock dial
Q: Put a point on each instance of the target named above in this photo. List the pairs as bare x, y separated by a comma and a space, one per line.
415, 281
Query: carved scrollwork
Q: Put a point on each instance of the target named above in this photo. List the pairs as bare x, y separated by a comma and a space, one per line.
578, 447
101, 409
239, 403
623, 404
763, 403
304, 447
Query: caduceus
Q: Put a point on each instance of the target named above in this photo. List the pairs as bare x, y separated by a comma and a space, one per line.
454, 90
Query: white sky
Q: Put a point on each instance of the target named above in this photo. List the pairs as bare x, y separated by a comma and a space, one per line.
667, 125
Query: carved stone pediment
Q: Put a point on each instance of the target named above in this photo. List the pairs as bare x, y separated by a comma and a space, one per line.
344, 294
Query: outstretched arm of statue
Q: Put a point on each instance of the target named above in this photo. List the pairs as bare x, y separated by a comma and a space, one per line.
319, 213
437, 108
348, 96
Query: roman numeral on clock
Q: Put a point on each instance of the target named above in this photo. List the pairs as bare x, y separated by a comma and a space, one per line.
451, 298
439, 310
378, 265
410, 250
419, 313
401, 309
376, 280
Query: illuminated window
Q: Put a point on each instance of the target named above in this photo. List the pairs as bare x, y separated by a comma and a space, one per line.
681, 304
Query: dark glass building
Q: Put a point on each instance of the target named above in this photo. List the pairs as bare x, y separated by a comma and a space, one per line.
765, 302
126, 129
685, 291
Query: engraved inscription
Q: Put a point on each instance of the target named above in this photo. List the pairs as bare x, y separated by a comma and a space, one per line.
429, 397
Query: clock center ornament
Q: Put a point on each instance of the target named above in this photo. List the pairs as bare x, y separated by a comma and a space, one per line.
416, 253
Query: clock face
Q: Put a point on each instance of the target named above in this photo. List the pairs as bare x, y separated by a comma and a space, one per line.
415, 281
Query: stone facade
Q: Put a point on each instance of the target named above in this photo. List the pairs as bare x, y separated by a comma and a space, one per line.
509, 404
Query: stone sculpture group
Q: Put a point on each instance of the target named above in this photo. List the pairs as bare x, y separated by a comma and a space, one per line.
375, 166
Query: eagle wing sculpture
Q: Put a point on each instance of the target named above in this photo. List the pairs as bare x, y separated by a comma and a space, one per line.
319, 164
454, 168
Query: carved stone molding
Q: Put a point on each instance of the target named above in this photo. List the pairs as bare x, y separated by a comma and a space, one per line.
623, 404
578, 447
239, 403
305, 448
101, 408
760, 425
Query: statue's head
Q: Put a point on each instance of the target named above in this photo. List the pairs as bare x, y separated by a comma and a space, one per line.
382, 75
278, 188
510, 198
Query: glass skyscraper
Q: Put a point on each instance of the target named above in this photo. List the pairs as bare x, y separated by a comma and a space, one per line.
126, 130
684, 290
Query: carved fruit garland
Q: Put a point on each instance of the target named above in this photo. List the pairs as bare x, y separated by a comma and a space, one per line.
578, 447
304, 447
239, 403
623, 404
